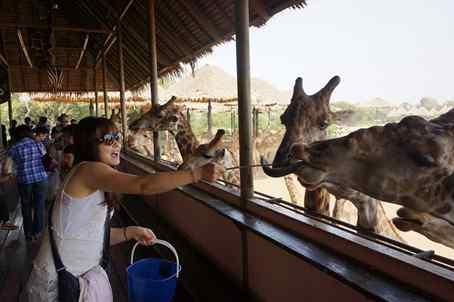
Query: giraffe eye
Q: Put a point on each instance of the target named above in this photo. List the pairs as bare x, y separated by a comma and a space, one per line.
324, 124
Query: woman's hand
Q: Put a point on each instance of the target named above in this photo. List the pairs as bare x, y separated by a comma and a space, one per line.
211, 172
143, 235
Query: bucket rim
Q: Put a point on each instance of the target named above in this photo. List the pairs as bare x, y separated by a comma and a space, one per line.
173, 276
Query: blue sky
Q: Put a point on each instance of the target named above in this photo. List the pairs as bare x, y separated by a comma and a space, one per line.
401, 50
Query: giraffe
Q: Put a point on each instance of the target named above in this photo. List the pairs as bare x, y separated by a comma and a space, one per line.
410, 163
306, 120
171, 117
139, 141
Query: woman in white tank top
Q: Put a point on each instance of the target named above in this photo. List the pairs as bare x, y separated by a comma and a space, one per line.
79, 214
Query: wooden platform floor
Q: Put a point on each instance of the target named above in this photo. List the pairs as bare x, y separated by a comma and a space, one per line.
16, 262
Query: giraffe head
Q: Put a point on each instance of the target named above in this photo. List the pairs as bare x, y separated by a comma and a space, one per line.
409, 163
434, 228
306, 118
206, 153
159, 118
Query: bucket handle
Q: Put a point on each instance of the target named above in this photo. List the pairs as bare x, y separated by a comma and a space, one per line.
161, 242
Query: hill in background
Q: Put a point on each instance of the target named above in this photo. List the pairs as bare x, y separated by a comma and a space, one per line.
212, 81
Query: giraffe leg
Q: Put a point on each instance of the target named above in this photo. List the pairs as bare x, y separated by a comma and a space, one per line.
317, 201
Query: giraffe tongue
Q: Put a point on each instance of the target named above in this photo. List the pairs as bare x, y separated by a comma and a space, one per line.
281, 171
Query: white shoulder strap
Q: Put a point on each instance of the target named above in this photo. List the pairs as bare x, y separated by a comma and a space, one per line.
68, 177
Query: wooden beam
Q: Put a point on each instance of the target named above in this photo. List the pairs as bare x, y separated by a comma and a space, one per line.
136, 59
104, 85
55, 28
66, 67
82, 52
114, 29
2, 50
3, 59
24, 49
122, 86
201, 19
178, 43
91, 12
260, 9
112, 42
95, 88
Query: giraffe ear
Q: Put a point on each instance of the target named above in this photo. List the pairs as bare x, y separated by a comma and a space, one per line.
169, 103
325, 92
298, 89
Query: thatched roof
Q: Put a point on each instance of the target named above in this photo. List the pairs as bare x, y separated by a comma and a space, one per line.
39, 33
76, 99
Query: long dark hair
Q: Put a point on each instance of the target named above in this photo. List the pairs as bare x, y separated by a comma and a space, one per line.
87, 137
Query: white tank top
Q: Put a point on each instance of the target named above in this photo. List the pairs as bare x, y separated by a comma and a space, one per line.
78, 229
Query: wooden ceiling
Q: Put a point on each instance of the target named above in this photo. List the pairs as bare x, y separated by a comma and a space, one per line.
36, 34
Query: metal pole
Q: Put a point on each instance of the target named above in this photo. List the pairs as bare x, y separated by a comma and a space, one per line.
122, 85
244, 97
153, 70
104, 86
244, 121
96, 92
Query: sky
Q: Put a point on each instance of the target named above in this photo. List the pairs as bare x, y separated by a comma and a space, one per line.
400, 50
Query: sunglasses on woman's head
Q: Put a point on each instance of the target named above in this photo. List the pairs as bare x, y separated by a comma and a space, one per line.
110, 138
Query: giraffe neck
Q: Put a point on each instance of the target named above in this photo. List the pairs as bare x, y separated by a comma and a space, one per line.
185, 138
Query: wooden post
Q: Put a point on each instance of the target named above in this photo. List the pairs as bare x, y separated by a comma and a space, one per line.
268, 125
2, 143
122, 85
104, 86
256, 125
232, 120
153, 70
244, 121
95, 88
254, 121
210, 119
244, 97
90, 107
10, 104
188, 115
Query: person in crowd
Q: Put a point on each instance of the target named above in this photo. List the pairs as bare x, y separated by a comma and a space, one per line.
5, 223
57, 131
11, 132
4, 138
31, 177
42, 135
28, 123
42, 122
78, 216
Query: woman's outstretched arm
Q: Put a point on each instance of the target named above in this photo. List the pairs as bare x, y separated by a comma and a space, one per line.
99, 176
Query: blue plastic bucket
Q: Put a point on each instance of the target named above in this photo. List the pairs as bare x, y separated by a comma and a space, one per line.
153, 280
